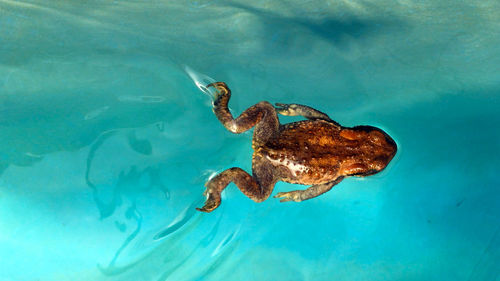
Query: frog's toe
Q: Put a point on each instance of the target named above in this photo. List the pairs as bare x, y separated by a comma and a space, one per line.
286, 200
288, 196
206, 192
220, 89
211, 204
205, 209
281, 108
286, 109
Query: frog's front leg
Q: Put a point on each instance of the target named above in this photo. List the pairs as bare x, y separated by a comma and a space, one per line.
301, 110
262, 115
255, 190
311, 192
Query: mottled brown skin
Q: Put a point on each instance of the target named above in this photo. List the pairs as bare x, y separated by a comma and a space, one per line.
317, 151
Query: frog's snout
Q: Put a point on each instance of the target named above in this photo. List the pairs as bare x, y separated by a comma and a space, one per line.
392, 143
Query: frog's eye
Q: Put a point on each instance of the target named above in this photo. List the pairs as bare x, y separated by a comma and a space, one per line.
377, 137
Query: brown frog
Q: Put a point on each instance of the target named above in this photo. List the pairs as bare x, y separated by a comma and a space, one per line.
318, 151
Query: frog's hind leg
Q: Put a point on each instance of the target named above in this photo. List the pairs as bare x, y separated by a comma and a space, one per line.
255, 190
311, 192
301, 110
262, 115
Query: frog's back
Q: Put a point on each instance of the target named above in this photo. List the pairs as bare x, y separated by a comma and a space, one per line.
308, 151
318, 151
309, 137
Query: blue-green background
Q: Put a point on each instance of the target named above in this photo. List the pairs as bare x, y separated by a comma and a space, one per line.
105, 141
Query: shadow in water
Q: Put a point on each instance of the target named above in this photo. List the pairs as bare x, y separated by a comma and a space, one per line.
165, 253
339, 31
126, 180
109, 198
34, 125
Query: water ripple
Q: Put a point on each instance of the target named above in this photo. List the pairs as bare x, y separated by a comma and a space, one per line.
179, 221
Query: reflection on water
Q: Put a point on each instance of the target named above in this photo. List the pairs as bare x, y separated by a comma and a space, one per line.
95, 113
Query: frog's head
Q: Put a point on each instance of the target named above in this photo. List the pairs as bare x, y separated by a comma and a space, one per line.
382, 147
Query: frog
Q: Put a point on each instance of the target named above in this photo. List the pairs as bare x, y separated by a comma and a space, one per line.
316, 151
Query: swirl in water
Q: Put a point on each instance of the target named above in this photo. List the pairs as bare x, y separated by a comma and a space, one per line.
201, 81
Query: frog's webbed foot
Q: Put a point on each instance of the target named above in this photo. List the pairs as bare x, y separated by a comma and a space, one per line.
300, 110
286, 109
311, 192
221, 91
289, 196
213, 201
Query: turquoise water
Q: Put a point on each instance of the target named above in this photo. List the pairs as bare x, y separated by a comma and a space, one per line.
106, 142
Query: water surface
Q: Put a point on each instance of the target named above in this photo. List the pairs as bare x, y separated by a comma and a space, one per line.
106, 142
